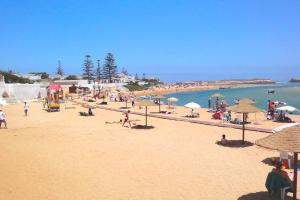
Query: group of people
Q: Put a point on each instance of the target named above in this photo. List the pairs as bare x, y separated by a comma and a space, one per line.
217, 106
3, 115
277, 116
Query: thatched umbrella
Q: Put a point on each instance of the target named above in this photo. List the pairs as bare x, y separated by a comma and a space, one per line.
146, 103
159, 97
286, 140
247, 101
217, 95
245, 109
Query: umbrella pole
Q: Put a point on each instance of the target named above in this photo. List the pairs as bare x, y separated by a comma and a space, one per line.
146, 117
243, 128
159, 105
295, 175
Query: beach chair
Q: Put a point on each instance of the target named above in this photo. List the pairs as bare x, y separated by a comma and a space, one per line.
238, 119
275, 183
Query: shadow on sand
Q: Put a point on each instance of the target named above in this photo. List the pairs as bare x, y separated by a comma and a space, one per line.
235, 144
262, 196
271, 161
142, 127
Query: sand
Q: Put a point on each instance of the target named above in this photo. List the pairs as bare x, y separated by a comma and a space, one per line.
61, 155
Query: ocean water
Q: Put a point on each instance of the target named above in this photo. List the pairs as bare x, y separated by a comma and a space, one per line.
286, 92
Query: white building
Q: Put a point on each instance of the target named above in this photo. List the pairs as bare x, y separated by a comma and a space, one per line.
32, 77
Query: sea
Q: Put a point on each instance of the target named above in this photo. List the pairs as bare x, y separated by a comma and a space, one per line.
284, 92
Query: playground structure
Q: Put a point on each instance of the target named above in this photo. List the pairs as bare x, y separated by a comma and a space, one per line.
54, 97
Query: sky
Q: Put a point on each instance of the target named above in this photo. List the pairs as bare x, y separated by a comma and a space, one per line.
175, 40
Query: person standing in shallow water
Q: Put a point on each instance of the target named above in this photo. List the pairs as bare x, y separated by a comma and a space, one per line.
26, 108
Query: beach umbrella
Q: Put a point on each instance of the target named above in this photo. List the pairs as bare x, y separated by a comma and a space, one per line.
172, 99
247, 101
245, 109
287, 140
287, 108
159, 97
146, 103
217, 95
54, 87
192, 105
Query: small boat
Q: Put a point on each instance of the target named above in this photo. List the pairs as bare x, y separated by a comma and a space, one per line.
271, 91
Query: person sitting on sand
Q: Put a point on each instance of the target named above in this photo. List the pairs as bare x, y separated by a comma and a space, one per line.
2, 119
89, 113
126, 119
223, 140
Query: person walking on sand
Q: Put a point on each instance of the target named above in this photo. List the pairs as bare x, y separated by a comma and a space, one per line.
2, 119
126, 119
26, 108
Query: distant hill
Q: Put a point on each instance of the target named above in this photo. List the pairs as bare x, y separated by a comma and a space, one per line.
295, 80
11, 78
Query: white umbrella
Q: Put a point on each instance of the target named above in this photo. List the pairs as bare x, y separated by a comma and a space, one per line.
172, 99
287, 108
192, 105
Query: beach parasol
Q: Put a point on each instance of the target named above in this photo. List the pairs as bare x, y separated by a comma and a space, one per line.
159, 97
146, 103
247, 101
287, 140
245, 109
217, 95
287, 108
54, 87
172, 99
192, 105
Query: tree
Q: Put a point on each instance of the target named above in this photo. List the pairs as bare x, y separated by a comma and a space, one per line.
98, 72
44, 75
59, 70
71, 77
87, 68
109, 69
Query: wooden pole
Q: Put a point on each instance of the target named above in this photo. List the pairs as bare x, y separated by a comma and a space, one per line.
159, 105
146, 117
295, 175
243, 128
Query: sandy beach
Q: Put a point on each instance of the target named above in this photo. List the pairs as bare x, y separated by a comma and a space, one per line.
64, 156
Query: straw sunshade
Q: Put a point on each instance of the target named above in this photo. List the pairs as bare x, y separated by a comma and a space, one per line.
244, 108
146, 103
217, 95
247, 101
286, 140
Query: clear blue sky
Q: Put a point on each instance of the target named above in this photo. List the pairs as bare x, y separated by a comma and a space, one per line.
172, 39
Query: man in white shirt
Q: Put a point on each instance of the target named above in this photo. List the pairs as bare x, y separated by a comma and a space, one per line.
26, 108
2, 118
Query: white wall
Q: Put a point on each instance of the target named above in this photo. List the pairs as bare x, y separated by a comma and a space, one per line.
23, 92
